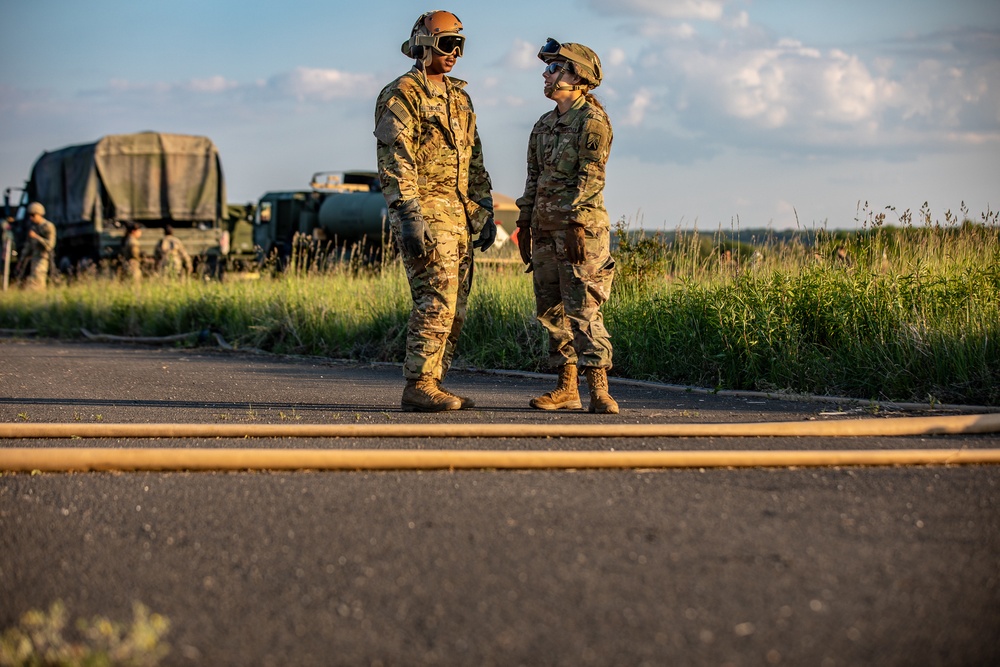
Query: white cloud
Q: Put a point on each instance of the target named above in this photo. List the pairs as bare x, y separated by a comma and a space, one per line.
705, 10
213, 84
750, 90
616, 57
641, 102
521, 55
323, 85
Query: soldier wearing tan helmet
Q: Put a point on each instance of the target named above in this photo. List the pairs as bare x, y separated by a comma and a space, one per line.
38, 247
563, 228
437, 190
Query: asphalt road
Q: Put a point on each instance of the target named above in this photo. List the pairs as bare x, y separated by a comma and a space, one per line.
826, 566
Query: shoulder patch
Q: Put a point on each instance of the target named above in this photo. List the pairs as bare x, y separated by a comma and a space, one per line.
595, 135
399, 111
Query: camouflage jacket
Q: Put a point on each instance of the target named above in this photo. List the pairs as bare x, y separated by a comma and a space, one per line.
38, 248
428, 149
567, 155
171, 254
130, 248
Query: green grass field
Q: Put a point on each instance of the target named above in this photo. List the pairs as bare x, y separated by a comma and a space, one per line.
905, 313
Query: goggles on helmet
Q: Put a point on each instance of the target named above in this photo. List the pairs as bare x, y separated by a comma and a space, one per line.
443, 44
552, 50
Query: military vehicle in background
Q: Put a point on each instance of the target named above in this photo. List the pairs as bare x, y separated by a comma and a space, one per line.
91, 191
341, 214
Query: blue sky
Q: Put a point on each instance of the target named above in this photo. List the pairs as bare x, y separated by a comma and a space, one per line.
753, 113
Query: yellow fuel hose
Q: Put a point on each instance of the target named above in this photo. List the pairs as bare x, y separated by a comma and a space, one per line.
80, 459
954, 425
66, 459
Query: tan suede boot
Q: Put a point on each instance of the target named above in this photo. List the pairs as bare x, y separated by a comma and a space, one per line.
566, 395
600, 400
466, 401
423, 395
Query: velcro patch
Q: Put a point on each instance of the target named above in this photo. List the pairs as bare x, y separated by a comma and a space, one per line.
593, 141
398, 110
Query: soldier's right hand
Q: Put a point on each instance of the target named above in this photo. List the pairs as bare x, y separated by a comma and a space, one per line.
414, 232
524, 243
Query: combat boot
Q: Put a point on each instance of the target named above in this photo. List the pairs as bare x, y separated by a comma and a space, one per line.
466, 401
423, 395
600, 400
566, 395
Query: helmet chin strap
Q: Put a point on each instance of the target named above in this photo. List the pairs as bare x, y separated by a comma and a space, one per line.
559, 85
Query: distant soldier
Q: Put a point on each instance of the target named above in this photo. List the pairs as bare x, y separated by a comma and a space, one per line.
131, 254
172, 259
39, 247
563, 227
438, 193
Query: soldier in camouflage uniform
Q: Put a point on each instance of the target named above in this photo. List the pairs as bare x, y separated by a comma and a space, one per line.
563, 227
131, 254
39, 247
172, 259
437, 190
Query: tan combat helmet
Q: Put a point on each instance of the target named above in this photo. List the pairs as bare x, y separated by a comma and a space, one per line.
435, 31
36, 207
582, 60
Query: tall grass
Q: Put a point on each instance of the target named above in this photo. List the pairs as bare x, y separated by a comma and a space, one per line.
907, 312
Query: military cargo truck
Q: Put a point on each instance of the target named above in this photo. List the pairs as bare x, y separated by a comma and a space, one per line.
342, 213
91, 191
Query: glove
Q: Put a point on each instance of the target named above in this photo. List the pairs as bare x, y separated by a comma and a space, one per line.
576, 249
414, 233
487, 235
524, 243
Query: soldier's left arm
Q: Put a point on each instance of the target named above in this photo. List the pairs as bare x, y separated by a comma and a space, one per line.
480, 185
48, 237
594, 147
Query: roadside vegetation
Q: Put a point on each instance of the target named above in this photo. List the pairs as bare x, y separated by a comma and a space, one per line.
42, 639
908, 311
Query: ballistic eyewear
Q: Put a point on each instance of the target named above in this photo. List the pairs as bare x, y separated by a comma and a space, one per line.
550, 48
443, 44
557, 65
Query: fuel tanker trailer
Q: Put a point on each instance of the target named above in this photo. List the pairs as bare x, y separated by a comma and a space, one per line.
342, 215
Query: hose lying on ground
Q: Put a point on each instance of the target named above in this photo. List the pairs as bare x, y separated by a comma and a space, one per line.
961, 424
75, 458
88, 459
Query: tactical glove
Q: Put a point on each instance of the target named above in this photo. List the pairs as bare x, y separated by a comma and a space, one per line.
524, 243
414, 232
488, 234
576, 248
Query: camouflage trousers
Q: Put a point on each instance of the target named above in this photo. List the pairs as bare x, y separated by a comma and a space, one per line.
38, 273
440, 282
568, 297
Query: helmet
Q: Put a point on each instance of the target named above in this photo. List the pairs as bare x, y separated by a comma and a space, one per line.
35, 207
583, 61
438, 30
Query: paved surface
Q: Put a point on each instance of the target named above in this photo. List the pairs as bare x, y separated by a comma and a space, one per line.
853, 566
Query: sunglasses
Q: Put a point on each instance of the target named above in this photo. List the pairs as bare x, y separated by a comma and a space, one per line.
554, 67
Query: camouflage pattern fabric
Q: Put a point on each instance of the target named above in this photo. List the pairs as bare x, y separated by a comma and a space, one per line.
440, 282
566, 164
429, 151
568, 297
38, 252
566, 160
172, 260
131, 259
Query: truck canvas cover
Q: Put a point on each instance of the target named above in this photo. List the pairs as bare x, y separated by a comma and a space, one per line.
145, 177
